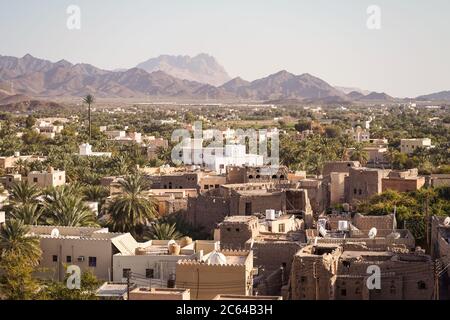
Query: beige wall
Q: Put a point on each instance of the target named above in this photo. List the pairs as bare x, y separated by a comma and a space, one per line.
207, 281
47, 179
159, 294
101, 249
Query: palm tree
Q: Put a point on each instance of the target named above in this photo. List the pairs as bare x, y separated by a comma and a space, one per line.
164, 231
29, 213
89, 100
359, 154
121, 165
22, 166
132, 209
15, 239
69, 211
96, 193
24, 193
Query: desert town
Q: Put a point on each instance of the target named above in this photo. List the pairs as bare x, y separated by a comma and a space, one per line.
227, 226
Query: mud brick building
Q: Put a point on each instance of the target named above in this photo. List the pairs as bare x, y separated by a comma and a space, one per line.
325, 272
363, 183
246, 174
403, 181
210, 208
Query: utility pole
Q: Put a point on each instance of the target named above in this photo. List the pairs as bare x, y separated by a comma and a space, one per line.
90, 128
128, 285
427, 216
437, 271
316, 279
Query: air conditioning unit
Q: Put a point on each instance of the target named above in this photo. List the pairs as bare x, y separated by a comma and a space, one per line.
80, 258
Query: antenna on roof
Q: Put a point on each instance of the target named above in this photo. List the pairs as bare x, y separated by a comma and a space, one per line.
372, 233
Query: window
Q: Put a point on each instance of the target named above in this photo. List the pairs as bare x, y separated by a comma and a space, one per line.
35, 180
354, 191
55, 258
360, 192
92, 261
206, 187
216, 186
281, 227
229, 229
126, 272
421, 285
248, 208
237, 230
60, 178
69, 259
343, 292
149, 273
392, 289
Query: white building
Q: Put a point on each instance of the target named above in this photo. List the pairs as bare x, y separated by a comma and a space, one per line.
49, 178
86, 150
218, 158
409, 145
359, 134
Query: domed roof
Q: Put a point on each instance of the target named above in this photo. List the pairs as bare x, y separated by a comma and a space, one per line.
216, 258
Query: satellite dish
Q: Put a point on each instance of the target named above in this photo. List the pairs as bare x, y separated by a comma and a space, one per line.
54, 233
323, 231
373, 233
447, 222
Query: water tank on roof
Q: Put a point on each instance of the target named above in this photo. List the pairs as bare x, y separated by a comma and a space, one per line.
216, 258
270, 215
343, 225
54, 233
346, 207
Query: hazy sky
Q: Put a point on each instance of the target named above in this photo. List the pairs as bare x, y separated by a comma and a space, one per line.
408, 56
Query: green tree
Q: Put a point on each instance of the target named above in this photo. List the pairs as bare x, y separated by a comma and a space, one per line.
24, 193
29, 213
303, 125
70, 211
89, 100
59, 291
30, 122
359, 154
131, 210
18, 283
164, 231
15, 239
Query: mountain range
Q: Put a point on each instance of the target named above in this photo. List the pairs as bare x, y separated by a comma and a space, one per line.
198, 78
202, 68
